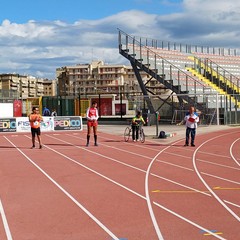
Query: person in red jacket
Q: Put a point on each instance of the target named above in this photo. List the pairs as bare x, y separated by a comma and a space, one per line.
92, 122
35, 120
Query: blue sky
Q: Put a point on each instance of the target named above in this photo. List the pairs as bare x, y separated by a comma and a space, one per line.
38, 36
21, 11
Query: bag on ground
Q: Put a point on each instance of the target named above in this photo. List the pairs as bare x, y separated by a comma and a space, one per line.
162, 134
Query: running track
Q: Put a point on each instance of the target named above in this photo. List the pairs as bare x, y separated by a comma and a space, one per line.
119, 190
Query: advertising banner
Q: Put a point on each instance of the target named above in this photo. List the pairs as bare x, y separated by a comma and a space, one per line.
23, 125
8, 125
6, 110
17, 108
68, 123
47, 124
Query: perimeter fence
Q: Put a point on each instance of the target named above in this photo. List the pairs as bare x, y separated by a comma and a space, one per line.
168, 109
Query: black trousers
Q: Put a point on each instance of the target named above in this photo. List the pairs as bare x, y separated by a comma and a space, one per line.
192, 132
135, 132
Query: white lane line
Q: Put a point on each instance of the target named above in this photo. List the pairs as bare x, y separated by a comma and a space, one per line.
169, 153
188, 221
238, 163
176, 165
217, 164
122, 150
155, 224
5, 223
141, 170
224, 179
166, 209
204, 182
67, 194
204, 160
182, 185
233, 204
124, 187
215, 155
192, 189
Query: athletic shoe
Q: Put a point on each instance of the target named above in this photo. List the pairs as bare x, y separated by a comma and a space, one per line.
193, 145
33, 147
185, 145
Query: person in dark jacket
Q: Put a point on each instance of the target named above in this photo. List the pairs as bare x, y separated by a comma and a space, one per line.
46, 112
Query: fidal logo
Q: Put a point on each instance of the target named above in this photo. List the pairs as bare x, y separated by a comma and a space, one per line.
47, 124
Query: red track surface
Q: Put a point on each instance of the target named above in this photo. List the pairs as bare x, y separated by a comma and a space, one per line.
119, 190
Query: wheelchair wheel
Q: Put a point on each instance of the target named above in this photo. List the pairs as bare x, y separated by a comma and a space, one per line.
127, 133
142, 136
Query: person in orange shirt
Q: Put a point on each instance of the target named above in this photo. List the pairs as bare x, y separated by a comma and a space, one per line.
35, 120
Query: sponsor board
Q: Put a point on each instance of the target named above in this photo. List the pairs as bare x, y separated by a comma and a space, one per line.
22, 124
68, 123
7, 125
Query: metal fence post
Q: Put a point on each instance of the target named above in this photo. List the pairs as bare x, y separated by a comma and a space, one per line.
157, 123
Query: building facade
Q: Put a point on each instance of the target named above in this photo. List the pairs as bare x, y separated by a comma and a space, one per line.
22, 87
49, 87
100, 78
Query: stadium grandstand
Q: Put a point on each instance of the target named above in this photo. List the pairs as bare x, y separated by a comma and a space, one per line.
204, 77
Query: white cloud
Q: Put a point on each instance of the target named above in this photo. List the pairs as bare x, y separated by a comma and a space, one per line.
38, 48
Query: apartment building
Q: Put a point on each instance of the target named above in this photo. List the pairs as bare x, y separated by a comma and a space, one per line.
49, 87
100, 78
22, 87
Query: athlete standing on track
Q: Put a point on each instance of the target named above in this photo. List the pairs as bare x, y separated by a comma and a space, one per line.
35, 120
92, 117
191, 119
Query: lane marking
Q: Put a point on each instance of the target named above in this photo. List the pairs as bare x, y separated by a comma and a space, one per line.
128, 165
150, 209
213, 231
191, 191
218, 233
166, 179
100, 224
225, 188
233, 204
126, 188
149, 202
217, 164
169, 153
160, 145
231, 153
122, 239
176, 191
5, 223
224, 179
205, 183
154, 202
182, 185
175, 165
189, 221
